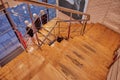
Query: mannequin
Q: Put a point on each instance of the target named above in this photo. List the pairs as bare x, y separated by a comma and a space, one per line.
29, 30
43, 17
37, 21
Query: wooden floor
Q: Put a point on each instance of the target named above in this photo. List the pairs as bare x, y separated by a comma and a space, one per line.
79, 58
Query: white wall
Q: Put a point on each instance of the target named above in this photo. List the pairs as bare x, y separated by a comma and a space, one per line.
106, 12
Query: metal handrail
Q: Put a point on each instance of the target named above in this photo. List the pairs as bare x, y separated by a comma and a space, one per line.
58, 21
55, 7
46, 37
72, 20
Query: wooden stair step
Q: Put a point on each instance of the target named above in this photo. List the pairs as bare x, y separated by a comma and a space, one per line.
100, 50
89, 61
88, 27
24, 67
70, 71
87, 64
104, 59
94, 45
102, 35
76, 29
79, 53
48, 73
49, 52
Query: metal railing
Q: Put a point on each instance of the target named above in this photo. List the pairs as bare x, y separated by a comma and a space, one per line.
71, 11
57, 27
86, 17
83, 21
55, 7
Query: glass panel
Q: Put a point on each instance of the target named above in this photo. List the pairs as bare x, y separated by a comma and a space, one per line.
7, 37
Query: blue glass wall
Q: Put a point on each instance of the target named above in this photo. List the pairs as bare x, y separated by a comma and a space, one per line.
8, 39
52, 12
19, 13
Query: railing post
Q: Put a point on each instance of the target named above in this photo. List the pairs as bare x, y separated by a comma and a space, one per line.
33, 26
69, 28
83, 28
58, 28
56, 33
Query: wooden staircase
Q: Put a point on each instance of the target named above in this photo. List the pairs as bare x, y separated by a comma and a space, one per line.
83, 57
79, 58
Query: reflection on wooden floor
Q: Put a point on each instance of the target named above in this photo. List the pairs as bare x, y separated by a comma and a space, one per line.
79, 58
